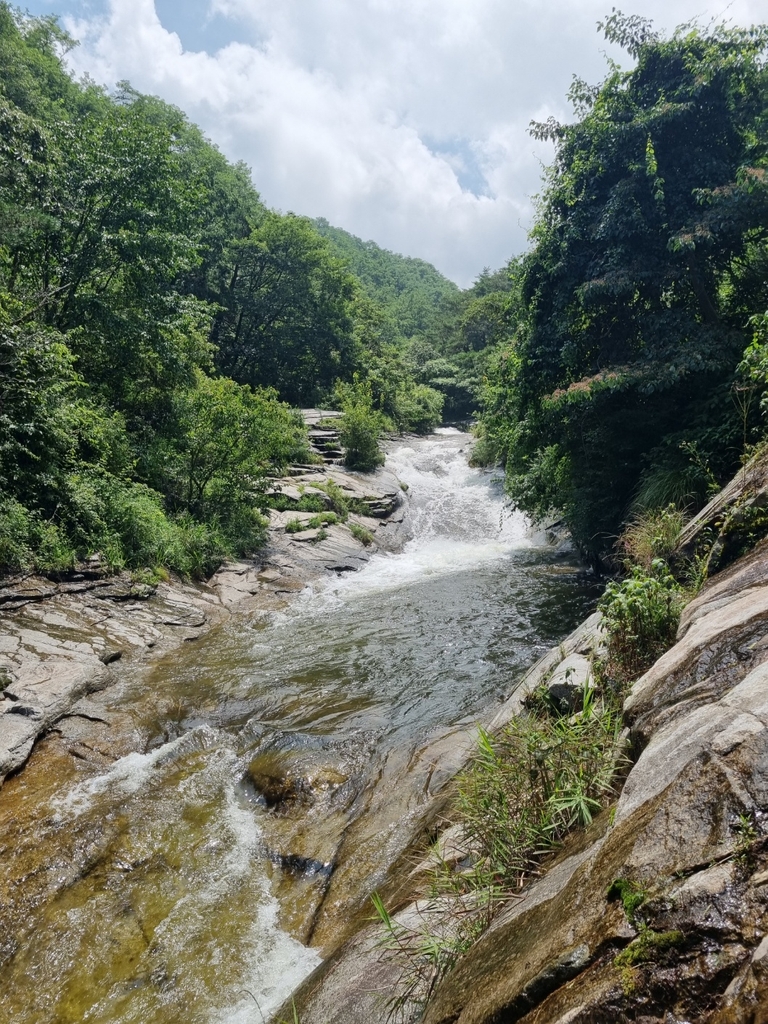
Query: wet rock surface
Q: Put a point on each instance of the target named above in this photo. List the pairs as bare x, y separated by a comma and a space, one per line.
63, 640
690, 833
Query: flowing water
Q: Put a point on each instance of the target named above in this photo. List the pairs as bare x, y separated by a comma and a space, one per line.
276, 771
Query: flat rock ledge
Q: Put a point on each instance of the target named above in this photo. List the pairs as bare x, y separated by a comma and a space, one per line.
689, 833
62, 641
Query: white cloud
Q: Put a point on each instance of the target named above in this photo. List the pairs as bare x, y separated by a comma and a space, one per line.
373, 112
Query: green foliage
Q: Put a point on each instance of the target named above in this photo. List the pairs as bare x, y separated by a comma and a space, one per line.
228, 438
746, 835
286, 320
361, 533
647, 947
534, 782
649, 258
425, 955
308, 502
409, 290
130, 249
414, 329
640, 617
15, 536
360, 428
418, 409
632, 896
527, 787
651, 535
324, 519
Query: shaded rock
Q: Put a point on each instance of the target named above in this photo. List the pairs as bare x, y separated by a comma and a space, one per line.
109, 656
566, 685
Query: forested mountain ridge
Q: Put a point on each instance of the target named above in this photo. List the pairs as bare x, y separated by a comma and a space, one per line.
411, 290
158, 322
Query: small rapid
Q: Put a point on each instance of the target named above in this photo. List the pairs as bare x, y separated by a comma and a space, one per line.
283, 761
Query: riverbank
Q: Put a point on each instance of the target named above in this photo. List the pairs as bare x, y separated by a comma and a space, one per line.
65, 641
656, 912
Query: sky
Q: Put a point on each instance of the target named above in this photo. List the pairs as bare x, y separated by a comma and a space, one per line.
403, 121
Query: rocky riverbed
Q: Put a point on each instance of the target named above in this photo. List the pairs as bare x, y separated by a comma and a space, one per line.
188, 841
63, 642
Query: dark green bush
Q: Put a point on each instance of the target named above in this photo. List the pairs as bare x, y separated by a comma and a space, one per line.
360, 429
640, 616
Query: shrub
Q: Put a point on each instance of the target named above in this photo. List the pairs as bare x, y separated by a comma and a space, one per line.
360, 427
640, 616
15, 528
359, 435
650, 535
53, 550
418, 408
229, 437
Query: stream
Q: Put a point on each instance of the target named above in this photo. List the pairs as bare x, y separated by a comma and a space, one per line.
282, 763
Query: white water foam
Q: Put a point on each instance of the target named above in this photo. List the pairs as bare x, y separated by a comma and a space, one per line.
131, 773
457, 514
273, 963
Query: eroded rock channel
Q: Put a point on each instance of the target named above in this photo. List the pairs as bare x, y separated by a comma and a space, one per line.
190, 840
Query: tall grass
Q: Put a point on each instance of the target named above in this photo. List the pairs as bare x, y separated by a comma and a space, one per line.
524, 791
651, 534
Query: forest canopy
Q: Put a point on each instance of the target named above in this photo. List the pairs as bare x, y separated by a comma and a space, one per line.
159, 325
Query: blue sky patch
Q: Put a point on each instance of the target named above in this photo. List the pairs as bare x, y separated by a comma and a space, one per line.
463, 161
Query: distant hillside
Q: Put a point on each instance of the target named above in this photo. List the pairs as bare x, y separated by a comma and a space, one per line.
411, 290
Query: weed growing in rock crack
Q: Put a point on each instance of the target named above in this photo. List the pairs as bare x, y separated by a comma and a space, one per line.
323, 519
648, 947
632, 896
426, 954
339, 500
526, 788
746, 834
294, 1015
542, 776
150, 577
360, 533
282, 503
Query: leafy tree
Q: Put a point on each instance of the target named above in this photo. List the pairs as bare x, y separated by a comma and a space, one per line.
360, 426
229, 437
286, 319
409, 290
638, 286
